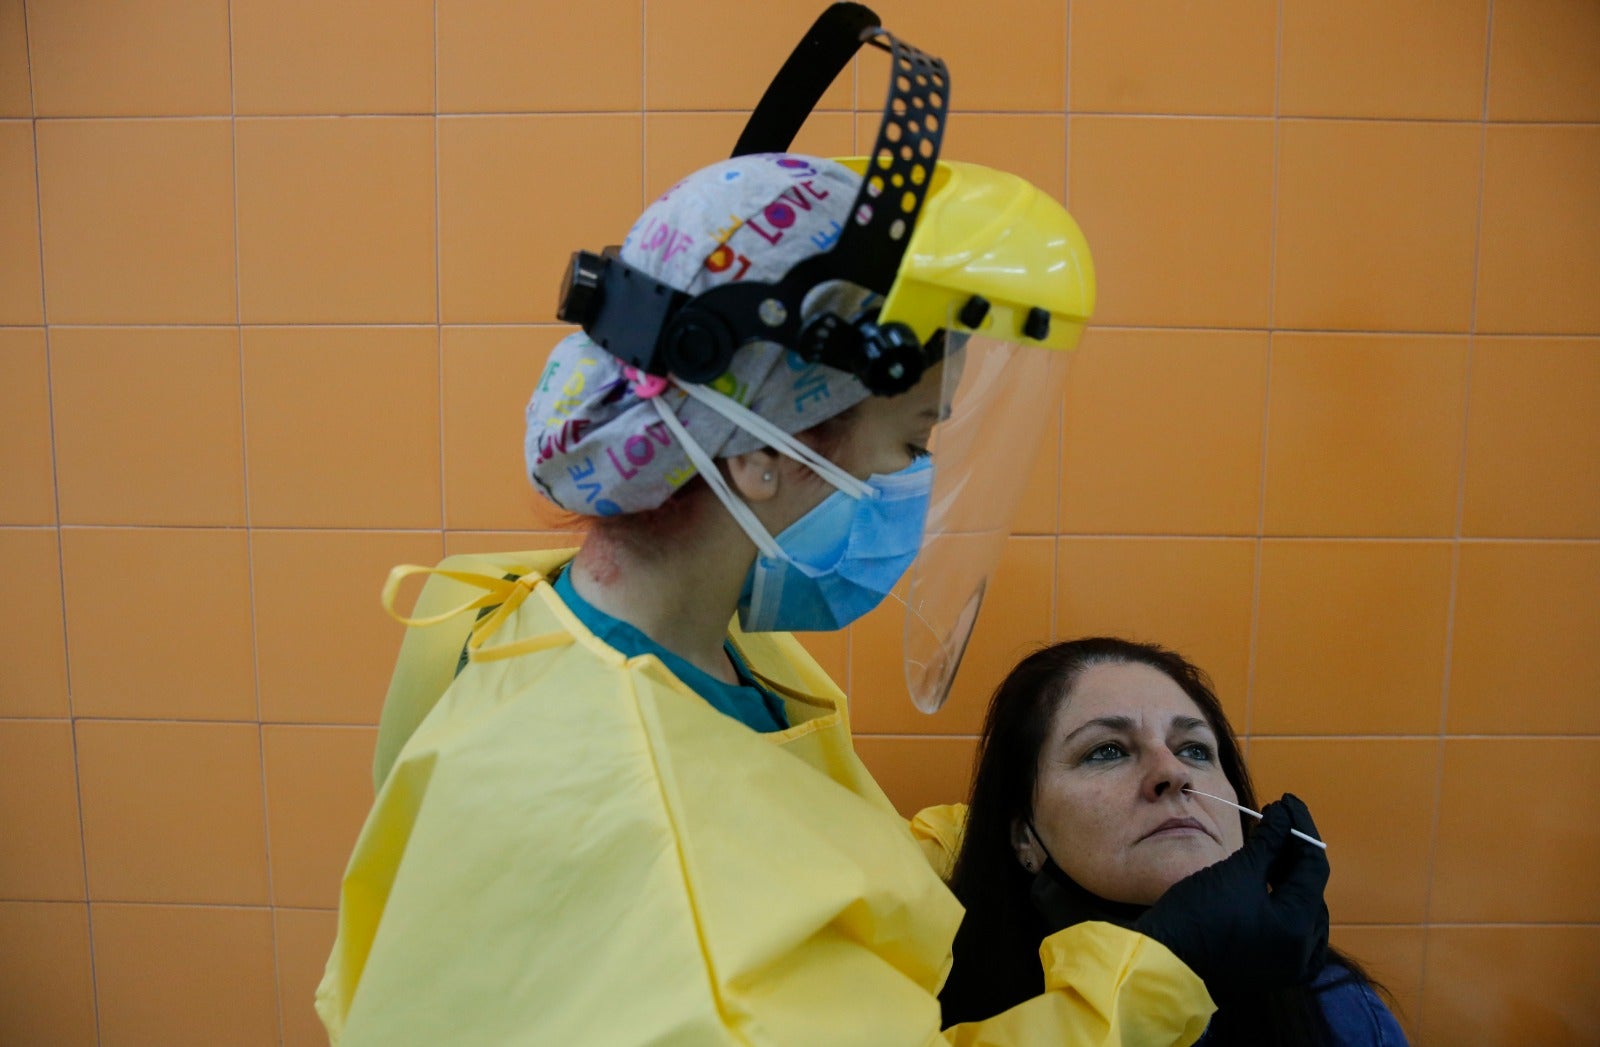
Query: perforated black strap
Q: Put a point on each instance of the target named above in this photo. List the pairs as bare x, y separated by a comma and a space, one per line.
816, 62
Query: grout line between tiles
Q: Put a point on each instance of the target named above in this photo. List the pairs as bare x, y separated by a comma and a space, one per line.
1521, 336
249, 530
488, 114
61, 556
438, 286
1266, 387
1461, 499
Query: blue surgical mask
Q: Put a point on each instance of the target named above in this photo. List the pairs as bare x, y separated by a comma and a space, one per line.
842, 558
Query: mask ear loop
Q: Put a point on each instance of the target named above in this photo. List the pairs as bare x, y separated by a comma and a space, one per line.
741, 512
776, 438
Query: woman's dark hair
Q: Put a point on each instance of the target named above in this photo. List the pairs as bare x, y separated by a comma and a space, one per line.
997, 945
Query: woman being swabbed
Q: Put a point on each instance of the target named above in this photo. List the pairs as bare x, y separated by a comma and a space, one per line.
1085, 807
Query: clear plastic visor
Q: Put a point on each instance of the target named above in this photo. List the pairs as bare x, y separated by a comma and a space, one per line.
1000, 400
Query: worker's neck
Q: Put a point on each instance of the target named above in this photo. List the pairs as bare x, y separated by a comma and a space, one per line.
682, 596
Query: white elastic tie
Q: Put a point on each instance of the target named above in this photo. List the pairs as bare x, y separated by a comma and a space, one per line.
779, 440
742, 513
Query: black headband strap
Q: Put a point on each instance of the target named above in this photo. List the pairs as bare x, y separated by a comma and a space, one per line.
816, 62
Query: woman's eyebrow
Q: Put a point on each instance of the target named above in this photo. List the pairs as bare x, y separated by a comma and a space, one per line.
1190, 723
1115, 723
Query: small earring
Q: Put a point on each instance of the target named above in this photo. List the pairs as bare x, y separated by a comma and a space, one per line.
766, 478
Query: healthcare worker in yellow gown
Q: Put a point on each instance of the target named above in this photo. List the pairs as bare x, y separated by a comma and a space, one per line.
617, 803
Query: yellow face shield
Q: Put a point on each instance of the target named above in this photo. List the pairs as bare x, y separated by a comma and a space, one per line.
988, 238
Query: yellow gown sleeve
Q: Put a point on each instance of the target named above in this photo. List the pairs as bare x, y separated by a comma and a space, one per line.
1105, 986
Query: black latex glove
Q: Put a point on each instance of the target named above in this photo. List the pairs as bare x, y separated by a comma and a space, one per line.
1255, 920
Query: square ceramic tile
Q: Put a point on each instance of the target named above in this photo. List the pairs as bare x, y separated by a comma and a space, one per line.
20, 294
26, 455
1190, 594
1163, 433
678, 144
170, 639
139, 58
489, 375
919, 772
1393, 956
1376, 225
1533, 449
342, 426
170, 975
1372, 799
45, 967
1364, 434
41, 853
304, 940
1146, 191
1544, 61
1014, 619
505, 56
507, 220
1011, 57
324, 645
1523, 653
336, 220
32, 637
1153, 57
1548, 789
138, 221
721, 54
319, 789
172, 812
301, 56
16, 91
167, 446
1540, 256
1350, 637
1492, 986
1406, 59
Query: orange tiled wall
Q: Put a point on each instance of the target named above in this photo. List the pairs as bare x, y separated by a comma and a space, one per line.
276, 276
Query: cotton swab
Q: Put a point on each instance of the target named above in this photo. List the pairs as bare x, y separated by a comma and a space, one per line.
1257, 815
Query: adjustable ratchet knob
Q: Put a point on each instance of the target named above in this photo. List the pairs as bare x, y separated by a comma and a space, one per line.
891, 359
580, 289
697, 346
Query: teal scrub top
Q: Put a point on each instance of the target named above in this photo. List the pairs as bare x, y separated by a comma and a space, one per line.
748, 702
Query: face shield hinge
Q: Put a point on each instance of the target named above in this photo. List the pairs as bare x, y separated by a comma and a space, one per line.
974, 312
1037, 325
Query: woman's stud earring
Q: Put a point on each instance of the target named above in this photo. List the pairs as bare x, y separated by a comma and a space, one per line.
766, 478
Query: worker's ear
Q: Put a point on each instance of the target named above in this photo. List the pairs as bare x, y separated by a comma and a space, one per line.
754, 474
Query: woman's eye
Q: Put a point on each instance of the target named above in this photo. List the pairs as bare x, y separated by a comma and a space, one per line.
1103, 753
1196, 751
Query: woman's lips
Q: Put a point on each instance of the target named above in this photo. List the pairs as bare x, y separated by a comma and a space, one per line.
1177, 827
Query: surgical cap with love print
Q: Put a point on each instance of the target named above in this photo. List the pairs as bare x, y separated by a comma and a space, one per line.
594, 443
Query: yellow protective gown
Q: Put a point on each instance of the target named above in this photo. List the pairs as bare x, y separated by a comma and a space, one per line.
571, 847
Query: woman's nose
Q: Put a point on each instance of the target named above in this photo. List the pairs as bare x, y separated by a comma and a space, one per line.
1165, 774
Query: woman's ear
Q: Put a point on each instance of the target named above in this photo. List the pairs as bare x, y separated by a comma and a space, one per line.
1027, 848
754, 475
